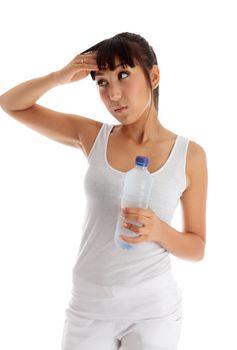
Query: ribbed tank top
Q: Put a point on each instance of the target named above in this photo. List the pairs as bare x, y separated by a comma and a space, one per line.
104, 275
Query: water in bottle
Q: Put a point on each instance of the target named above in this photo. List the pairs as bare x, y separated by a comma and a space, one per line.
136, 193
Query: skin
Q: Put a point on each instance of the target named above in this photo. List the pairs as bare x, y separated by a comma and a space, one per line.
138, 123
140, 126
139, 132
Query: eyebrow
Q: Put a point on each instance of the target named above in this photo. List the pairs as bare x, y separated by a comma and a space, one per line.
98, 73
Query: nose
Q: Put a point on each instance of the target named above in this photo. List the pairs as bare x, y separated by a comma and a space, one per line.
114, 92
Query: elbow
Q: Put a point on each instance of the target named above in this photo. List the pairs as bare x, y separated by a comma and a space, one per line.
199, 257
200, 253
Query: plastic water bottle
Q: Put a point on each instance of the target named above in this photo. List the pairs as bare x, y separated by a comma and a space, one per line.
136, 193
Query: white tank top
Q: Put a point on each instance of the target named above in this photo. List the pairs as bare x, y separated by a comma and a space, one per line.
106, 277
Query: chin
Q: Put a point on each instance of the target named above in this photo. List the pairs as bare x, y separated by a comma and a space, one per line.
129, 121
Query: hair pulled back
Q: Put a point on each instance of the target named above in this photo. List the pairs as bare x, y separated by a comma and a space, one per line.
131, 49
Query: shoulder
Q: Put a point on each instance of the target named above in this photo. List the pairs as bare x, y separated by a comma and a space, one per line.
195, 153
91, 130
196, 163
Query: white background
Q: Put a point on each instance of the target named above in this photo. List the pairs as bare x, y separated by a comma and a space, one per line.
41, 181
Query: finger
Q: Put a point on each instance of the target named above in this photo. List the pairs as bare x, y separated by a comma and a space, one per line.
137, 229
90, 59
90, 53
90, 68
87, 54
135, 217
127, 239
84, 60
146, 212
87, 65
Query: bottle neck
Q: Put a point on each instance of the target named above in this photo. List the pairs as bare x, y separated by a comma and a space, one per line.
141, 167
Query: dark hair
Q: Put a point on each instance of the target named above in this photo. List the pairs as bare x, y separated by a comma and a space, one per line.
127, 47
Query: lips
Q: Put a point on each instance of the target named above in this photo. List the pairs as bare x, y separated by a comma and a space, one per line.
119, 108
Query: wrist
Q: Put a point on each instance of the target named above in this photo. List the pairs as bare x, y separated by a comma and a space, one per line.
55, 76
160, 232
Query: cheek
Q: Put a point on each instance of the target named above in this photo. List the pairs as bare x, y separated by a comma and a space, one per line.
138, 88
103, 95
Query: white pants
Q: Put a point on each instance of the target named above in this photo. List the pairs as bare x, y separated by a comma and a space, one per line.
148, 334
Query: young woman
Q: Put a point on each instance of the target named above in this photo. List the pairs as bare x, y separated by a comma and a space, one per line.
125, 299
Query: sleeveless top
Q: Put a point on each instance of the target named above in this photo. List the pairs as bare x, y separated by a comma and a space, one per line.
110, 282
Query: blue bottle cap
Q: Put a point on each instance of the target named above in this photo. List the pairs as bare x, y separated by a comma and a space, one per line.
142, 161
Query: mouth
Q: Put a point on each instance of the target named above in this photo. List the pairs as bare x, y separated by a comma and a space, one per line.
120, 108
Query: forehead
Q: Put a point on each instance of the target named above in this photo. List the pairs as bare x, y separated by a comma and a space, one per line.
118, 65
106, 69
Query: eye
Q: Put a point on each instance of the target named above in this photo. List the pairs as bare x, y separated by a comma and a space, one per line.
101, 82
121, 73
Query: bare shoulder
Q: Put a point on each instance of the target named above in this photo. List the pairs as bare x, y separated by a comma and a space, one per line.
196, 164
91, 129
195, 153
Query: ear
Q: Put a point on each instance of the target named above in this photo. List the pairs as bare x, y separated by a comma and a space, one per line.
155, 76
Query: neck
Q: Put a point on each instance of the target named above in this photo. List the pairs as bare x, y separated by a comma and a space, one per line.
145, 130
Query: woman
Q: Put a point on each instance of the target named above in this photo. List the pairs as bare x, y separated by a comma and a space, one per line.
124, 299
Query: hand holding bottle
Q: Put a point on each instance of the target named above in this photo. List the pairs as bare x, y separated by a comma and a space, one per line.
136, 193
150, 227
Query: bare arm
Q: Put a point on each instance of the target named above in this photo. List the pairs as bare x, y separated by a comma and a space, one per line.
20, 103
27, 93
190, 243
